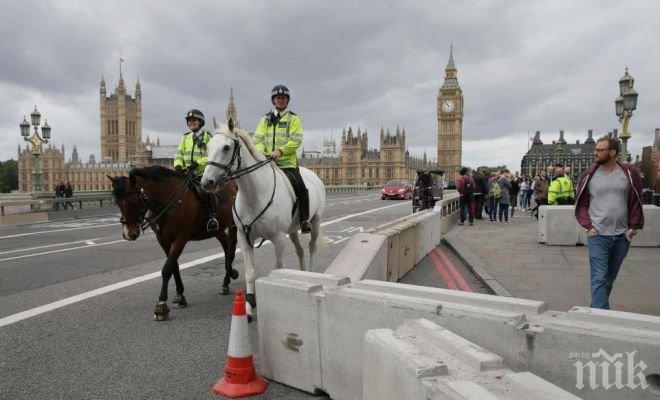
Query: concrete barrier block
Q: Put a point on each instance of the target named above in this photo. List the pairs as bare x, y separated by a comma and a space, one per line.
559, 227
325, 279
287, 318
531, 308
541, 225
429, 233
364, 256
421, 360
582, 350
650, 235
358, 310
407, 251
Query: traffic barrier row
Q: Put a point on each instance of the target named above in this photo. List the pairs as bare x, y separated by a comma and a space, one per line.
422, 360
387, 252
557, 226
312, 330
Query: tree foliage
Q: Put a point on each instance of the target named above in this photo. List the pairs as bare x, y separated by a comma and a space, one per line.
8, 176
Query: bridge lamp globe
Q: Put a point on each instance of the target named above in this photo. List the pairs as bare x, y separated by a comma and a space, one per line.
630, 100
36, 117
25, 128
618, 105
45, 130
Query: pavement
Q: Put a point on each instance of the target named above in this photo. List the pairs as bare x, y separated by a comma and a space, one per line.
76, 320
510, 262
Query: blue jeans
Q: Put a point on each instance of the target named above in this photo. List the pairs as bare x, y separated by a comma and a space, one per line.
523, 199
606, 253
504, 209
466, 210
493, 208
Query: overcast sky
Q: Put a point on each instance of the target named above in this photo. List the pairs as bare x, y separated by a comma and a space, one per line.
523, 66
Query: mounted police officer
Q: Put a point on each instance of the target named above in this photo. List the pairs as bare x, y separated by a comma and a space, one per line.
191, 155
279, 135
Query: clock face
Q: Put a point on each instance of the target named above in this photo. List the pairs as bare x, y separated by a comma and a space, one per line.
448, 106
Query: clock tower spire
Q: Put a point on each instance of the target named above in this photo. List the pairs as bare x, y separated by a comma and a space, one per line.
450, 121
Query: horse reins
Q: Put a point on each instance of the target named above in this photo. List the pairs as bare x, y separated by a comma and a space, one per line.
236, 157
169, 204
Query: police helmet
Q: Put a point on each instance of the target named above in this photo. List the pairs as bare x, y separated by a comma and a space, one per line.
195, 114
279, 90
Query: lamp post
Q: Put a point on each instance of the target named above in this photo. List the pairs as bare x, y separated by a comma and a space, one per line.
624, 106
35, 143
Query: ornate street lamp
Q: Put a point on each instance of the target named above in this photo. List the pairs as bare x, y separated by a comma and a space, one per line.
35, 142
624, 106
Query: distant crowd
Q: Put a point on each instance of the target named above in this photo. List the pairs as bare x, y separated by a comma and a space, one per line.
501, 192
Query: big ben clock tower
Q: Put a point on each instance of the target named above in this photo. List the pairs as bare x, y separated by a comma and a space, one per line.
450, 121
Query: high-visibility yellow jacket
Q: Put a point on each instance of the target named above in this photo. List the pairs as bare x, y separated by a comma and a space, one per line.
560, 188
190, 150
286, 135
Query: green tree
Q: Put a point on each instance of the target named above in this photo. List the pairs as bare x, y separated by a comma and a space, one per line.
8, 176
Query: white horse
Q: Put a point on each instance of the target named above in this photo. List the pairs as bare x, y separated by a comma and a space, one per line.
264, 204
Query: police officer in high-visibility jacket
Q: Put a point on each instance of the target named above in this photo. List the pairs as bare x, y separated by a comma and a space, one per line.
279, 135
561, 189
192, 155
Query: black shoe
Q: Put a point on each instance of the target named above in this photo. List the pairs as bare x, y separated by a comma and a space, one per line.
212, 225
305, 227
471, 223
461, 223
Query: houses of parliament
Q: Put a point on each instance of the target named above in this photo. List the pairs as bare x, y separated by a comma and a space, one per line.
355, 163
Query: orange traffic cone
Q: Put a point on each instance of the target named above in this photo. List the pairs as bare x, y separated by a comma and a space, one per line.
240, 378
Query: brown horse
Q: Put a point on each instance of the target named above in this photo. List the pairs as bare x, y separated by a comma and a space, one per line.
164, 200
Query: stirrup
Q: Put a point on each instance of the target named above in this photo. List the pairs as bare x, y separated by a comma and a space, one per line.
305, 227
212, 225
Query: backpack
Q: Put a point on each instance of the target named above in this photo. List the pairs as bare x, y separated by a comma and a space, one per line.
495, 190
468, 189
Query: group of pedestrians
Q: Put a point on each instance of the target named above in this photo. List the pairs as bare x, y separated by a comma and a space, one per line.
63, 191
607, 201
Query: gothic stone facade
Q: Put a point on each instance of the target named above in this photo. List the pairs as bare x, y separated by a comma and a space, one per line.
576, 155
450, 122
357, 164
121, 123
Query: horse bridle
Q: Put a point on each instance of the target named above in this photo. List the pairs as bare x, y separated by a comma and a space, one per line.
143, 202
236, 157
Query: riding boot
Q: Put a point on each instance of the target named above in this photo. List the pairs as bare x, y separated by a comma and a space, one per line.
212, 207
303, 208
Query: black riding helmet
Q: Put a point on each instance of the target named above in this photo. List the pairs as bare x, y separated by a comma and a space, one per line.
195, 114
279, 89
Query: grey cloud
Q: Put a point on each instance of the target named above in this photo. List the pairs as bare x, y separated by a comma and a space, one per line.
523, 66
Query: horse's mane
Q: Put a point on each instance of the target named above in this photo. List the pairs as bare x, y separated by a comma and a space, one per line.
153, 173
249, 144
119, 187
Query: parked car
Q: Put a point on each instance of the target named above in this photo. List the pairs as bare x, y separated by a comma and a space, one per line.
448, 185
397, 189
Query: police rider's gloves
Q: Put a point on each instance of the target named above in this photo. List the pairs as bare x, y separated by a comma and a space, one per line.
193, 166
179, 169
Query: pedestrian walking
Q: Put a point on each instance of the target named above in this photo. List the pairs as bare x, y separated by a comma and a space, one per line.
68, 193
524, 189
540, 192
609, 208
513, 193
494, 194
505, 188
466, 187
481, 180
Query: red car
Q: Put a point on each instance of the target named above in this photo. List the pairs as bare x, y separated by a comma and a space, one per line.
397, 189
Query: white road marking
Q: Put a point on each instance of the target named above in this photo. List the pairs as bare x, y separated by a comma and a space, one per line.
129, 282
61, 250
45, 246
56, 230
90, 242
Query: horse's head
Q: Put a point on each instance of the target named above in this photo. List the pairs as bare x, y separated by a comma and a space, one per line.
128, 199
224, 155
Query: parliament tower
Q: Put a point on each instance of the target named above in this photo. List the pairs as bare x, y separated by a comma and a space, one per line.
121, 122
450, 121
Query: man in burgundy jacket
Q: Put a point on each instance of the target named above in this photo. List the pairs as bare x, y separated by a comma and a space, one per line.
466, 187
609, 207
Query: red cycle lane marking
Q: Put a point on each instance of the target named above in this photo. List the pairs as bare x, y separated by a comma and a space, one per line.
442, 270
454, 271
